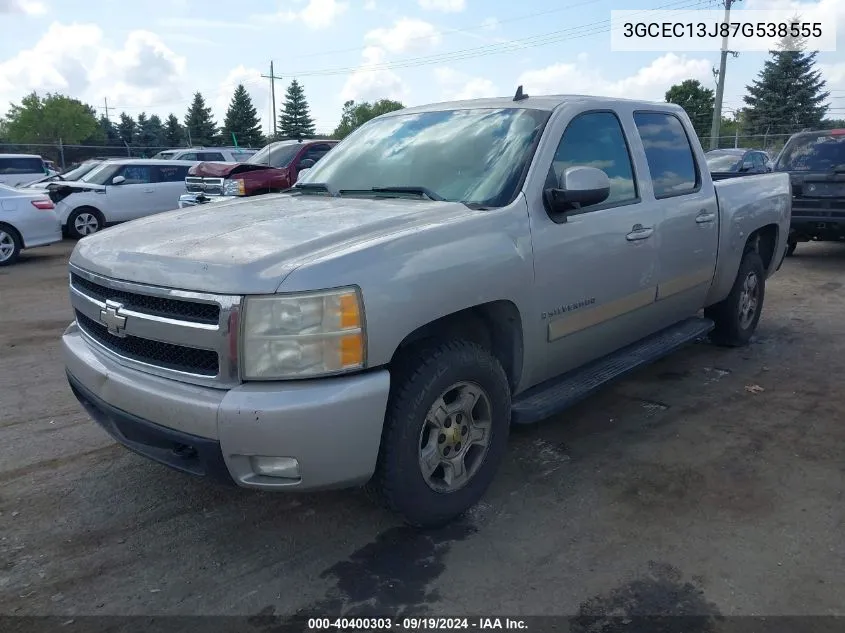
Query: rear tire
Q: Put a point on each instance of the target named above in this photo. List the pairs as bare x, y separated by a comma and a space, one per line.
10, 245
737, 316
84, 221
445, 432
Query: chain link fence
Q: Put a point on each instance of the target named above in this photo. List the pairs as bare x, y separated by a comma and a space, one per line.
770, 143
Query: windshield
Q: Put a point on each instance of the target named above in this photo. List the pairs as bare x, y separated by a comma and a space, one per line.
471, 156
79, 172
723, 162
279, 155
102, 174
818, 152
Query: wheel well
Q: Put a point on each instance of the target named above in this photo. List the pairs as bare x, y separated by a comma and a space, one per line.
764, 240
15, 233
496, 326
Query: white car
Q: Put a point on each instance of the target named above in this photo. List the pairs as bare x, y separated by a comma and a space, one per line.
118, 191
213, 154
27, 220
74, 174
19, 169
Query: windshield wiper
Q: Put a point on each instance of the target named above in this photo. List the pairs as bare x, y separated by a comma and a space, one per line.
420, 191
316, 187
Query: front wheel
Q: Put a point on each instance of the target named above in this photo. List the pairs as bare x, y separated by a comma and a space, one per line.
737, 316
445, 433
84, 221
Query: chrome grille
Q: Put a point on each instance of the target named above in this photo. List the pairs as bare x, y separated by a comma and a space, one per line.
177, 334
176, 357
208, 186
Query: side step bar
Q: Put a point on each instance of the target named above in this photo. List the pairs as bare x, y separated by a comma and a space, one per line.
557, 394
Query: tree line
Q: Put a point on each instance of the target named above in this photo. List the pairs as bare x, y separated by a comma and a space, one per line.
56, 118
787, 96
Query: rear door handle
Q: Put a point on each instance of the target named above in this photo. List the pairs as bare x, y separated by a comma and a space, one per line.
639, 232
704, 217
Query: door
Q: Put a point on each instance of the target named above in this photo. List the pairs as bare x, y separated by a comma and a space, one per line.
169, 184
688, 234
595, 268
133, 197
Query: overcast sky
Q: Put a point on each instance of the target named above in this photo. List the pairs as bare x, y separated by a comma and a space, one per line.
153, 55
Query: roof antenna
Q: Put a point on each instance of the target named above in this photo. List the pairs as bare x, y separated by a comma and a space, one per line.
519, 96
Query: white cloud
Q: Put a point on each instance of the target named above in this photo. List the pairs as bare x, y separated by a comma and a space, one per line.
445, 6
76, 60
650, 82
26, 7
257, 87
370, 82
319, 14
455, 85
406, 34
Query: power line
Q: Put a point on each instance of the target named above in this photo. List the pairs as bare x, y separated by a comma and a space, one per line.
272, 79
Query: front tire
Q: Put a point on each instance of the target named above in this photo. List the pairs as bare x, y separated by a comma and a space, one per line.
737, 316
84, 221
445, 432
10, 245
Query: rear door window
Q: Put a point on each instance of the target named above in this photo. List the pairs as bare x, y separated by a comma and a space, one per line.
669, 154
168, 173
21, 165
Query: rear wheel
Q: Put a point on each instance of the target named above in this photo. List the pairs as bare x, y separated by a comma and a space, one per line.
84, 221
10, 245
445, 432
737, 316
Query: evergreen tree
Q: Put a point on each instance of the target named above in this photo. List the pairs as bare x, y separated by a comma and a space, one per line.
295, 121
242, 120
127, 129
143, 134
109, 131
155, 131
174, 134
788, 94
200, 125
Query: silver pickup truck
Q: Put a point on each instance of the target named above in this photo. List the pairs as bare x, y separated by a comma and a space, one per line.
445, 272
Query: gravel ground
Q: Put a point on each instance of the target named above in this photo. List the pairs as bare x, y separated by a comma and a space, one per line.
709, 483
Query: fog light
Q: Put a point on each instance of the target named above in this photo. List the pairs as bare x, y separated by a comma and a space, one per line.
280, 467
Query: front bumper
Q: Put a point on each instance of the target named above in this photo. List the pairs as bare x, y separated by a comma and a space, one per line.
195, 199
331, 426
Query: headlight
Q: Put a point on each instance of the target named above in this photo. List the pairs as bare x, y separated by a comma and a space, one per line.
303, 335
234, 187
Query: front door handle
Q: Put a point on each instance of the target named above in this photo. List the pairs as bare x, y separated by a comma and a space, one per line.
704, 217
639, 232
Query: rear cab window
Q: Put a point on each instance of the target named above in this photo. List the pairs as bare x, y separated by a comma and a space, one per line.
821, 151
669, 154
210, 156
21, 165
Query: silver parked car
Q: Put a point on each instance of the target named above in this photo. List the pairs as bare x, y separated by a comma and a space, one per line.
27, 219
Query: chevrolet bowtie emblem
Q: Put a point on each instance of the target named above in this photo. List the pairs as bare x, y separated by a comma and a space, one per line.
111, 317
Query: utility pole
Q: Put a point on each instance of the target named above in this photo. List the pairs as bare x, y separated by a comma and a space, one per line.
272, 79
106, 103
720, 86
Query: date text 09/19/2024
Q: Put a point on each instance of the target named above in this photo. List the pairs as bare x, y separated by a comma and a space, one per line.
415, 624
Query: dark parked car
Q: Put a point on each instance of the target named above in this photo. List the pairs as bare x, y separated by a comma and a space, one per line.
815, 162
730, 163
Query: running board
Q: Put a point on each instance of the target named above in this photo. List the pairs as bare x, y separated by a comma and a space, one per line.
557, 394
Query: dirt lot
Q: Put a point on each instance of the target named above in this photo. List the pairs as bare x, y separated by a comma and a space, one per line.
684, 489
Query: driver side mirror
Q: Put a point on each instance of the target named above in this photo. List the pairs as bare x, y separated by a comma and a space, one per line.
578, 187
118, 180
301, 173
306, 163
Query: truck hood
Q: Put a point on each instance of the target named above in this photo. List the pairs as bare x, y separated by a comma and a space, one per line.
224, 170
250, 246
